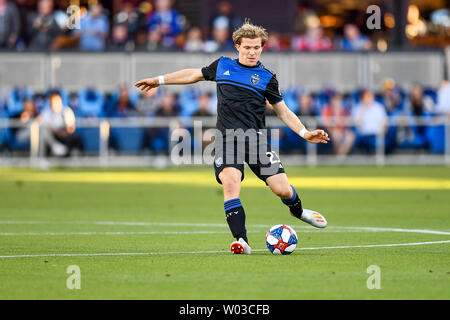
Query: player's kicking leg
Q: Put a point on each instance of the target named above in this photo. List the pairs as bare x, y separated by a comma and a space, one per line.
280, 186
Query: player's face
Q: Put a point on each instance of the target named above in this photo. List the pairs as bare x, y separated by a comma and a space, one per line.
249, 51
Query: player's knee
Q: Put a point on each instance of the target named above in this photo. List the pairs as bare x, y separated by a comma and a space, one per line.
283, 192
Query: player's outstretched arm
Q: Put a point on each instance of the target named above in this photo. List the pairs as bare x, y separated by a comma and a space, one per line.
185, 76
294, 123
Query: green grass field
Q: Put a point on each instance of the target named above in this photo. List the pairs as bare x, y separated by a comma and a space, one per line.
149, 234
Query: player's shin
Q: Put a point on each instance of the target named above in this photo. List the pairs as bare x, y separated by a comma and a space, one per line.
294, 203
235, 216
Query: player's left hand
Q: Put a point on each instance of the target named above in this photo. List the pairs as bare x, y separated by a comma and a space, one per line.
317, 136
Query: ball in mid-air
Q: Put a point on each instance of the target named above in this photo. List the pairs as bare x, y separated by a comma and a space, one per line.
281, 239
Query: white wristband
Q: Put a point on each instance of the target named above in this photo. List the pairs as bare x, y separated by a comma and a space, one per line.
302, 133
161, 80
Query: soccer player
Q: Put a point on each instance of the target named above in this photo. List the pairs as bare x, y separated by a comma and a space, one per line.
243, 87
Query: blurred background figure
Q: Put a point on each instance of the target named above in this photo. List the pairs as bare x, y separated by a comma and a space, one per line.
313, 40
221, 40
22, 134
120, 39
165, 24
158, 138
224, 18
203, 101
335, 117
57, 132
371, 120
194, 40
443, 99
419, 104
44, 28
274, 42
353, 40
124, 107
127, 24
94, 29
391, 97
305, 105
149, 102
10, 24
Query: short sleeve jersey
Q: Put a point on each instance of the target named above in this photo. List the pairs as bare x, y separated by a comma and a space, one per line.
241, 93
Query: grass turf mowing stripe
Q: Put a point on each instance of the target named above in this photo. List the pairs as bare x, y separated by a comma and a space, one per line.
217, 251
207, 179
188, 224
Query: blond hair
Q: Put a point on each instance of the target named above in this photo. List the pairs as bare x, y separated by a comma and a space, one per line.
249, 30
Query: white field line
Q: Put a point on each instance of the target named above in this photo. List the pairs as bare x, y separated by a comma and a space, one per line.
206, 252
112, 233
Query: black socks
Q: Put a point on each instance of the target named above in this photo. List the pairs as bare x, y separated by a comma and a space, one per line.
235, 216
294, 204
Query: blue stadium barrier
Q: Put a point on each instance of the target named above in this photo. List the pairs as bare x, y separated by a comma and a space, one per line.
436, 138
90, 137
128, 139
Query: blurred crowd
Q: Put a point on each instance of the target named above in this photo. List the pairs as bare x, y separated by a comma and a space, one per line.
153, 25
355, 120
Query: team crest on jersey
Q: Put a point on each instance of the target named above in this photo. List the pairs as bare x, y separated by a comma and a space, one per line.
254, 79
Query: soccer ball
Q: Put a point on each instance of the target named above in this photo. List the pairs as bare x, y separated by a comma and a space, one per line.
281, 239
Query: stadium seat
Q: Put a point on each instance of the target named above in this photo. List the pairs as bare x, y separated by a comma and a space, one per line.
16, 99
91, 102
4, 131
188, 101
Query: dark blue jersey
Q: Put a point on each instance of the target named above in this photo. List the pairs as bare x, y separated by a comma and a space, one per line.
241, 93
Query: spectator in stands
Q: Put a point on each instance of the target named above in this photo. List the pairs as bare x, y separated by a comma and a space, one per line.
336, 120
419, 104
168, 107
203, 101
221, 41
28, 115
313, 40
274, 42
149, 102
443, 99
94, 28
124, 107
119, 38
141, 40
391, 97
194, 40
132, 19
305, 14
25, 12
9, 24
165, 24
44, 28
370, 119
58, 128
158, 138
224, 18
353, 40
305, 105
154, 40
